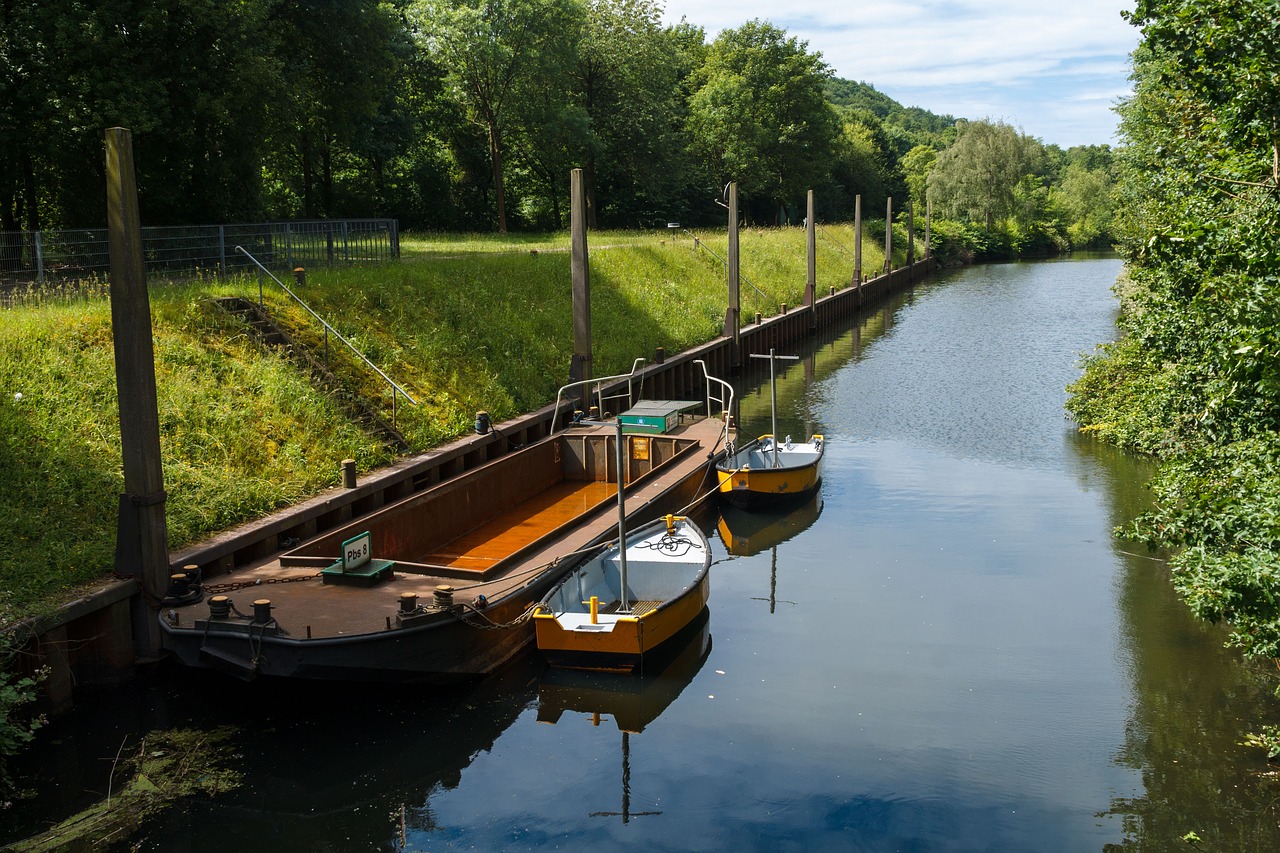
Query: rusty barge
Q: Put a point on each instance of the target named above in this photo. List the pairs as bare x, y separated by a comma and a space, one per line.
440, 586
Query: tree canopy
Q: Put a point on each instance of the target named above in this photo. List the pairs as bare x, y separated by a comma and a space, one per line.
759, 115
454, 114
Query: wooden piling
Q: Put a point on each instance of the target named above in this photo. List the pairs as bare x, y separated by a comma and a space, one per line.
142, 548
733, 312
811, 245
580, 366
888, 235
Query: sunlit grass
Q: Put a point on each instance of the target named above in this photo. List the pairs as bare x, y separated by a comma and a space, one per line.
463, 323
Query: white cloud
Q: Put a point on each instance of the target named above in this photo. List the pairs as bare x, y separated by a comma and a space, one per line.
1018, 61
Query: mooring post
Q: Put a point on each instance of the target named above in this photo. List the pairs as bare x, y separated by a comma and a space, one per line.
811, 245
911, 235
857, 240
732, 272
888, 235
580, 366
142, 547
928, 221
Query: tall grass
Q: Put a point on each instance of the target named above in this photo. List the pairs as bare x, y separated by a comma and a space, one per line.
463, 323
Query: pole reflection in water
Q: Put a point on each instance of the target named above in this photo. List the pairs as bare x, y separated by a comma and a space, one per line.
631, 701
747, 533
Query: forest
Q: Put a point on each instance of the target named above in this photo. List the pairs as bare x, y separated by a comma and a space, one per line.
1194, 379
467, 115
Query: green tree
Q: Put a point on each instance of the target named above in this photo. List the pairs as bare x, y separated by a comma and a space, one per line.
1226, 54
1085, 196
760, 116
491, 50
188, 79
979, 178
627, 78
340, 115
916, 165
860, 166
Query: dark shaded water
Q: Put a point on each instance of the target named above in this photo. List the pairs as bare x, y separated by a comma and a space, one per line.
947, 651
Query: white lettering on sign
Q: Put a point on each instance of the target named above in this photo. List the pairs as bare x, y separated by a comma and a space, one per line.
356, 551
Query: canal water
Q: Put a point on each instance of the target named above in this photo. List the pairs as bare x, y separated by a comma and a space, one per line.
947, 650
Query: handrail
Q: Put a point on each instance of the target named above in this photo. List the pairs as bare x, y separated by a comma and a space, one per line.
327, 329
725, 399
599, 390
724, 396
839, 245
699, 244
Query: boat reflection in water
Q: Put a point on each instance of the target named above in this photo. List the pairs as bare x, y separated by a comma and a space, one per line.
746, 534
632, 702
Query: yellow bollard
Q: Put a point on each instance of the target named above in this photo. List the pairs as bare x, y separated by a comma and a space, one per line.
595, 610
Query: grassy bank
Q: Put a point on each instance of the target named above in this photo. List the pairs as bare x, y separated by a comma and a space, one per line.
463, 322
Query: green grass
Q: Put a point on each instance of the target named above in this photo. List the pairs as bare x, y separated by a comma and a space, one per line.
462, 322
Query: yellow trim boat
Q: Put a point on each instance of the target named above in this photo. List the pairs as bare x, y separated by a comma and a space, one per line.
767, 471
620, 605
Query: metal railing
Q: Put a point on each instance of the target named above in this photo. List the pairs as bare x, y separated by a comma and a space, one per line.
328, 329
41, 257
825, 233
717, 391
699, 244
600, 384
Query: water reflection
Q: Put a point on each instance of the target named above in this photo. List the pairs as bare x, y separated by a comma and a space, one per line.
747, 533
1193, 697
319, 764
631, 702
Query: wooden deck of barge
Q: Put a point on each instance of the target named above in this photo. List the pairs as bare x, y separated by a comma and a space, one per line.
480, 549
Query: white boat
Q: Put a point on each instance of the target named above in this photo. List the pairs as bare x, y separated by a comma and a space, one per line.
767, 471
619, 606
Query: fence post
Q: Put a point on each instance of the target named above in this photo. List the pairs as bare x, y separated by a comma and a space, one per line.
222, 248
39, 259
888, 235
857, 240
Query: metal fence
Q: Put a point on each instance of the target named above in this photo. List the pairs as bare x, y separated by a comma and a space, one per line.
37, 258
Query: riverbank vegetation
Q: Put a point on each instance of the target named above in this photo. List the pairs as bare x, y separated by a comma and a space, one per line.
1195, 379
460, 115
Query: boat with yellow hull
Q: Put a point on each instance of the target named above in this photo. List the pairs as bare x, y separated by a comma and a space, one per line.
619, 606
767, 471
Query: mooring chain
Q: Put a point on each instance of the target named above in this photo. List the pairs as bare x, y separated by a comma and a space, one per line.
217, 588
496, 626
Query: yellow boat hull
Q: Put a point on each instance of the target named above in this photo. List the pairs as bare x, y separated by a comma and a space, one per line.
582, 623
756, 476
630, 640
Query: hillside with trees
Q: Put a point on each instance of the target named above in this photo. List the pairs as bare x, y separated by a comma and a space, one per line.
466, 115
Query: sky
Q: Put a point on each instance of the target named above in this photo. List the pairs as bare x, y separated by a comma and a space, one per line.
1054, 70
